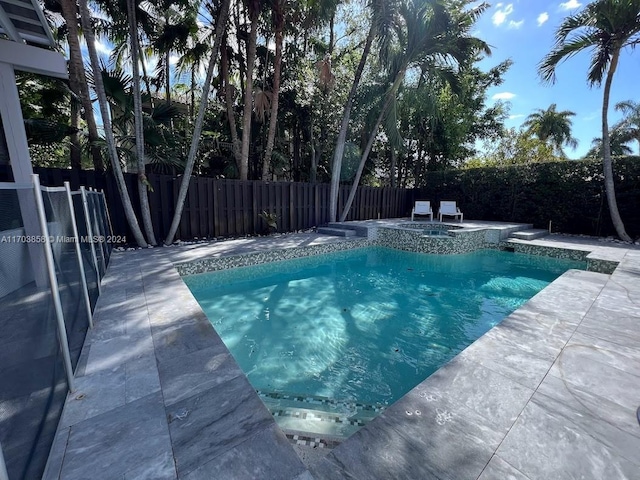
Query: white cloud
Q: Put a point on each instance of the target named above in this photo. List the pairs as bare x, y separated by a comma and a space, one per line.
501, 14
570, 5
513, 117
515, 25
503, 96
173, 59
543, 17
102, 48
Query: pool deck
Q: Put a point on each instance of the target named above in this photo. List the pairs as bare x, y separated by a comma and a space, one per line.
549, 393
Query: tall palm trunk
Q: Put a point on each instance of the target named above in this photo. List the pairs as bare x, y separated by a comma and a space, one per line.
78, 79
139, 130
221, 23
277, 68
231, 116
606, 148
248, 97
87, 28
391, 94
344, 127
75, 150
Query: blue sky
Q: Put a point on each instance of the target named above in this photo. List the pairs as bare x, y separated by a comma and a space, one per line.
523, 30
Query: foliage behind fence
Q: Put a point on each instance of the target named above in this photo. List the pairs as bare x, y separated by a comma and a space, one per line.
570, 194
227, 208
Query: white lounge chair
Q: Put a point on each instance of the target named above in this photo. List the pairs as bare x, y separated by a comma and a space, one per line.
449, 209
422, 207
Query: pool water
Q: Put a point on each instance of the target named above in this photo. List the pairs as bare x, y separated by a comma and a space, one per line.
364, 325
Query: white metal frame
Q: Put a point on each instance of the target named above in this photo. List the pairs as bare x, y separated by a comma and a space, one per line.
53, 281
83, 277
85, 206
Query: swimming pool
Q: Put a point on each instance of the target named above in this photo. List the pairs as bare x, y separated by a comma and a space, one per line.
356, 330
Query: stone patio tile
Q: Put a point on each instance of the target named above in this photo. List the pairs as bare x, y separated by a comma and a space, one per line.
185, 335
598, 350
141, 378
304, 476
112, 444
498, 469
326, 469
463, 395
619, 298
196, 372
528, 369
210, 423
578, 367
94, 395
379, 451
108, 354
609, 423
267, 455
56, 455
615, 327
160, 468
542, 445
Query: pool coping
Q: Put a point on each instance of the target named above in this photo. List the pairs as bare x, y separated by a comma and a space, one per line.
166, 358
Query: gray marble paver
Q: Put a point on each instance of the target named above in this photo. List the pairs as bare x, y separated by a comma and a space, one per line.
549, 394
111, 444
498, 469
208, 424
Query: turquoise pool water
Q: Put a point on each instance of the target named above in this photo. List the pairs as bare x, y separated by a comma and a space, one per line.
364, 325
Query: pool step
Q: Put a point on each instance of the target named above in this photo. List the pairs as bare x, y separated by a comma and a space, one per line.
337, 232
530, 234
321, 419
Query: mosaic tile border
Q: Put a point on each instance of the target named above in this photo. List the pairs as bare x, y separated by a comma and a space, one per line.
317, 400
258, 258
596, 265
315, 442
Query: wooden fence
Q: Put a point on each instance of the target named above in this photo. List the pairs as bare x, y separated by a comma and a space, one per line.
229, 208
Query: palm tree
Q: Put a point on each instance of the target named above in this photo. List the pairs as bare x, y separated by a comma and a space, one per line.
78, 79
617, 143
383, 14
431, 34
139, 130
221, 25
552, 126
605, 27
631, 121
87, 28
278, 10
253, 7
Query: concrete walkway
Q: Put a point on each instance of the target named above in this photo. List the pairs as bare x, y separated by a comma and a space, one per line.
549, 393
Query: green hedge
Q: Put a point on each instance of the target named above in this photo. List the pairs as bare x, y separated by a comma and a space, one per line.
570, 194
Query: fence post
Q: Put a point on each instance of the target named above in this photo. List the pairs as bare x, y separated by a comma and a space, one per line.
53, 281
85, 207
83, 277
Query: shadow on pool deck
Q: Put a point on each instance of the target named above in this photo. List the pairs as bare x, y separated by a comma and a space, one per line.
549, 393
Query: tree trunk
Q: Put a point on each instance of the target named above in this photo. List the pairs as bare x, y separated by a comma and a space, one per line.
392, 172
87, 28
231, 116
78, 80
221, 23
75, 150
344, 126
248, 98
138, 124
606, 148
365, 155
277, 67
